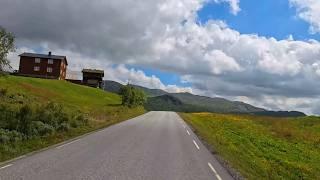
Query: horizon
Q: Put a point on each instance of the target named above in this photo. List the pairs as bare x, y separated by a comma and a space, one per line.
266, 53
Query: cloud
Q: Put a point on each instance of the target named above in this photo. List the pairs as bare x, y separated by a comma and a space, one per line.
164, 34
309, 11
234, 5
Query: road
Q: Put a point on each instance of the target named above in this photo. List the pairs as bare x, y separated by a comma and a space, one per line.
154, 146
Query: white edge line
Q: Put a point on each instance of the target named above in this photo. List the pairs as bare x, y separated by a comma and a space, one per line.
194, 142
188, 132
215, 172
67, 144
6, 166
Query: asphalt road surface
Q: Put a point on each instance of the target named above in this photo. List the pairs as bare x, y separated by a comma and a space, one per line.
157, 145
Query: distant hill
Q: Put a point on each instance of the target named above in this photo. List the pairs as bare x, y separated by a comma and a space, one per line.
115, 87
159, 100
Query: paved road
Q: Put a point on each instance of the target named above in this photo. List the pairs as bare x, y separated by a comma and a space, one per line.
157, 145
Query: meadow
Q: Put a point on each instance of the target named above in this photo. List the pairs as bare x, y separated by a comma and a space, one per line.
262, 147
36, 113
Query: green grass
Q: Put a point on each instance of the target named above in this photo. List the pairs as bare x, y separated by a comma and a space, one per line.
263, 147
102, 108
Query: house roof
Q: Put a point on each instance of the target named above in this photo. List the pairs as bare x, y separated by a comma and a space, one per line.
93, 71
45, 56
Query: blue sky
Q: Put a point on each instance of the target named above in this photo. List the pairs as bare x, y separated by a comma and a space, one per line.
270, 18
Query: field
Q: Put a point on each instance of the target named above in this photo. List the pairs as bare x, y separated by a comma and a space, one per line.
99, 108
263, 147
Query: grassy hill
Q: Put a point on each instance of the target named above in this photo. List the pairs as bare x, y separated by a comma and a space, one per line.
263, 147
101, 108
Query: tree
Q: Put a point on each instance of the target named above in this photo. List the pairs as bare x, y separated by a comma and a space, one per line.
132, 97
6, 46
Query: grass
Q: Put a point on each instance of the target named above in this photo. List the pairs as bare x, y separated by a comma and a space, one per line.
263, 147
102, 108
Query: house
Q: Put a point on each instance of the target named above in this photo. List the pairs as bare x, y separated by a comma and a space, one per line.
43, 66
93, 77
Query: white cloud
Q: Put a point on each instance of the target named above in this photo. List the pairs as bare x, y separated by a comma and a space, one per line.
309, 11
234, 5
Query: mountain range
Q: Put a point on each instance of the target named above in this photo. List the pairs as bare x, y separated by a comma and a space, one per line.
160, 100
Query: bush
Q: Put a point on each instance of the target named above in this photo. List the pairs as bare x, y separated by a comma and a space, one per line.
132, 97
24, 117
64, 127
39, 128
3, 92
52, 114
7, 136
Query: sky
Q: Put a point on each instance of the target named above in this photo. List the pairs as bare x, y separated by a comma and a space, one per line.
266, 52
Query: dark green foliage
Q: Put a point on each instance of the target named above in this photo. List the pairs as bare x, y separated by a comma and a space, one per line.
3, 92
132, 97
19, 122
6, 46
24, 117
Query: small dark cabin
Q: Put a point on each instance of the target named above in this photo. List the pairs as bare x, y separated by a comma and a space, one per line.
93, 77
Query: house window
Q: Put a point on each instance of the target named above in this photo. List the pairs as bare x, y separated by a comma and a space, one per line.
36, 68
49, 70
50, 61
37, 60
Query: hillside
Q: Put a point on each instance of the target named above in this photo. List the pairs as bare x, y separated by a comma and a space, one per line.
262, 147
115, 87
159, 100
99, 107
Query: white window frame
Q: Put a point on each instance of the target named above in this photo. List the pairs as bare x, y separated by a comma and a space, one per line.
49, 69
37, 60
50, 61
36, 68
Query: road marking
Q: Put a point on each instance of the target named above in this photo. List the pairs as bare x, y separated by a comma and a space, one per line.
184, 126
6, 166
67, 144
188, 132
194, 142
214, 171
23, 156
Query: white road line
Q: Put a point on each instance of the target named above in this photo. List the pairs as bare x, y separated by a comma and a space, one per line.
184, 126
194, 142
67, 144
6, 166
188, 132
214, 171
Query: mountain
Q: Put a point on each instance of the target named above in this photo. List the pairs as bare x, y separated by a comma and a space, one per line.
186, 102
115, 87
112, 86
159, 100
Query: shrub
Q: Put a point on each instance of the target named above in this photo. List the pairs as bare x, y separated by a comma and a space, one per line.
24, 117
7, 136
3, 92
39, 128
64, 127
132, 97
4, 136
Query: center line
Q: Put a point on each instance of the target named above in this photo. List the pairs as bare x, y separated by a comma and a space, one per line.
6, 166
68, 143
194, 142
215, 172
188, 132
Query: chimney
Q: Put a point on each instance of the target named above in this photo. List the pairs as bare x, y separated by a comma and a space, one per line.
49, 53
